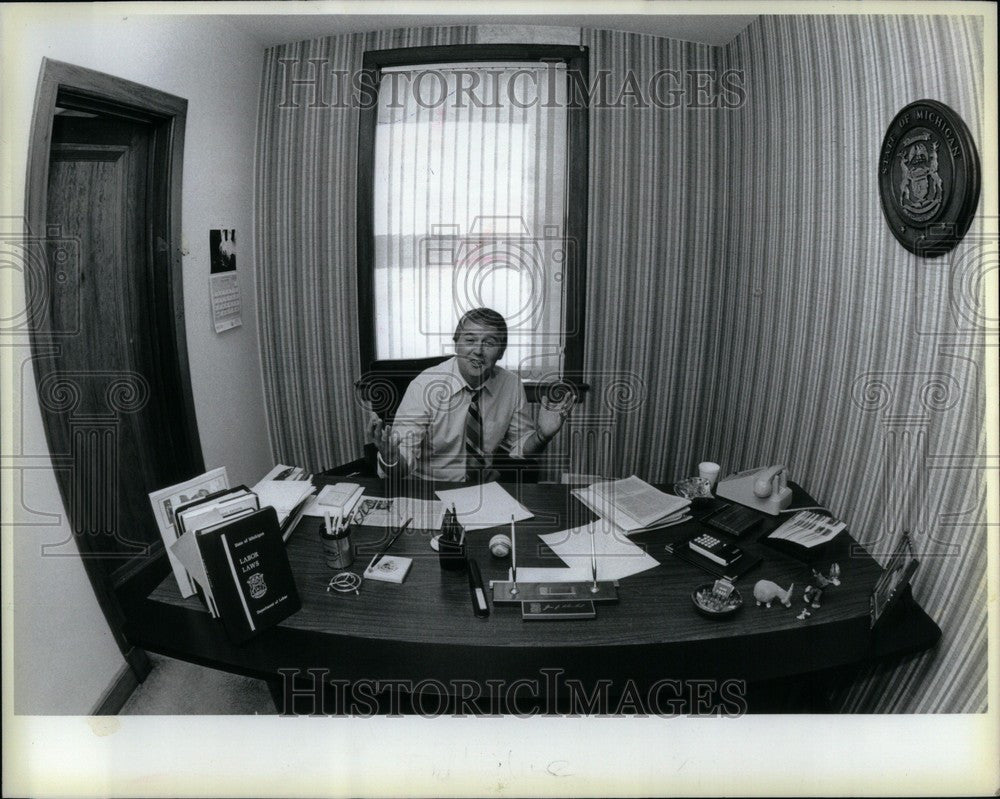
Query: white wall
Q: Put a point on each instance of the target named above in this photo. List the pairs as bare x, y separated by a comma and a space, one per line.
64, 656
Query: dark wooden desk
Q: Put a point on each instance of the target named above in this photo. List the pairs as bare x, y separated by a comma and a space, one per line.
424, 629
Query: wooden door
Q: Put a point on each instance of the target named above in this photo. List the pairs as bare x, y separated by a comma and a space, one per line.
110, 400
104, 291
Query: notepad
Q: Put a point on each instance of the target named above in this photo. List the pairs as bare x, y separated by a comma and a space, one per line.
389, 569
482, 506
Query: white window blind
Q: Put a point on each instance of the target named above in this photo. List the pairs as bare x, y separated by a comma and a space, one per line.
469, 208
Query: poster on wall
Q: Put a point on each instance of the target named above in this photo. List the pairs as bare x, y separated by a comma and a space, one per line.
225, 288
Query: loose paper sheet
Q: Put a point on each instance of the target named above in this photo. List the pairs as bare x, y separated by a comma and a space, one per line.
482, 506
616, 556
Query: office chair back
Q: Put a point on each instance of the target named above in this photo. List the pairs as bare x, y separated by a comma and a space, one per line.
382, 388
383, 385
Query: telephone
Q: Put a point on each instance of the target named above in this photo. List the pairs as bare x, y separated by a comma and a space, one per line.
765, 489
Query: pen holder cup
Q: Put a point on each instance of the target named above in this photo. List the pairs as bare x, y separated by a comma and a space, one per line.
451, 554
337, 549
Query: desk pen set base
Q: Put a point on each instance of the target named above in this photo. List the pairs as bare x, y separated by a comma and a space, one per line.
554, 601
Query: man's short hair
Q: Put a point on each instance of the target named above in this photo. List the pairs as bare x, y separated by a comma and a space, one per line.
486, 317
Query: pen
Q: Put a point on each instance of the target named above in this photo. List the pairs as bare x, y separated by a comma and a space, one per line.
593, 561
349, 520
513, 558
379, 556
479, 604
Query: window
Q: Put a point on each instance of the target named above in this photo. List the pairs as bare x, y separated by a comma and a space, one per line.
467, 198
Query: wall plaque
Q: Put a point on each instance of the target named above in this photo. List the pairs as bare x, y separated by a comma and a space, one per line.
928, 178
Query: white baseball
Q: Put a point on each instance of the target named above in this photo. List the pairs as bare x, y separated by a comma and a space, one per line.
500, 545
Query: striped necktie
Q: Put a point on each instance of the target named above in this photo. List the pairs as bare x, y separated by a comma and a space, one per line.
475, 457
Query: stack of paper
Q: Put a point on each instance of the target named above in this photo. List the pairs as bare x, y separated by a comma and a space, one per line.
216, 509
338, 500
283, 472
285, 496
286, 489
486, 505
633, 505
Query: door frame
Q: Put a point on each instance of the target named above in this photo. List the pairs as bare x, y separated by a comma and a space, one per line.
66, 85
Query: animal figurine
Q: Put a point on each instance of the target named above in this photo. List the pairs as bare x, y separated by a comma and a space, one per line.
822, 581
765, 592
812, 595
805, 614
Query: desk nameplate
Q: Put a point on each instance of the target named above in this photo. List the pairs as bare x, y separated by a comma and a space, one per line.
607, 592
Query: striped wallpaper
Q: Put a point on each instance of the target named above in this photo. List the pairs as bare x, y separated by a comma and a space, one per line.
305, 215
841, 353
652, 284
745, 301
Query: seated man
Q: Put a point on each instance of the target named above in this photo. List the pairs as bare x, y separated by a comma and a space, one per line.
454, 416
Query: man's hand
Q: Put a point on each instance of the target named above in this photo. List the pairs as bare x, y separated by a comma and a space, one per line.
385, 439
552, 415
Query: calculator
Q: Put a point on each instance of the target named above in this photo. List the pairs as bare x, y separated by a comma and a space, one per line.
733, 519
708, 546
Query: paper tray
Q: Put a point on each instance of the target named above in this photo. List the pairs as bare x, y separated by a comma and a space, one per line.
825, 553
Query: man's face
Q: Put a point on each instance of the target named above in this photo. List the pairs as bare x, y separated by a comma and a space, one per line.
478, 349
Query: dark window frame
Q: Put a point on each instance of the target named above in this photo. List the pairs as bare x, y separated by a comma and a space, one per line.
577, 60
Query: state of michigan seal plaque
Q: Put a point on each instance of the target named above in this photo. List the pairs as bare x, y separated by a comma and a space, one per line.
928, 178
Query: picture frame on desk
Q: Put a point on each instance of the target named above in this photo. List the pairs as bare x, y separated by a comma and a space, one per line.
166, 501
893, 582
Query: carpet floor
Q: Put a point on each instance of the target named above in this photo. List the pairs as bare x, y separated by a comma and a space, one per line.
174, 687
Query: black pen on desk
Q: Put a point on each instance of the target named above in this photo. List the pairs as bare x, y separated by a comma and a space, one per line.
479, 605
593, 561
379, 556
513, 558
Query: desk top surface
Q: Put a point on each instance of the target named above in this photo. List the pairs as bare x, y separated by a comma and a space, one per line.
433, 607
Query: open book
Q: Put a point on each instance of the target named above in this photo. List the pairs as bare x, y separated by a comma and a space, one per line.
632, 504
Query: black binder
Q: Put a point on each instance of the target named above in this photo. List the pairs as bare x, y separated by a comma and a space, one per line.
248, 569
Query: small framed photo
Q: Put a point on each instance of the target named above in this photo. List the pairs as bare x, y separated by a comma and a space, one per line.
894, 580
165, 503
